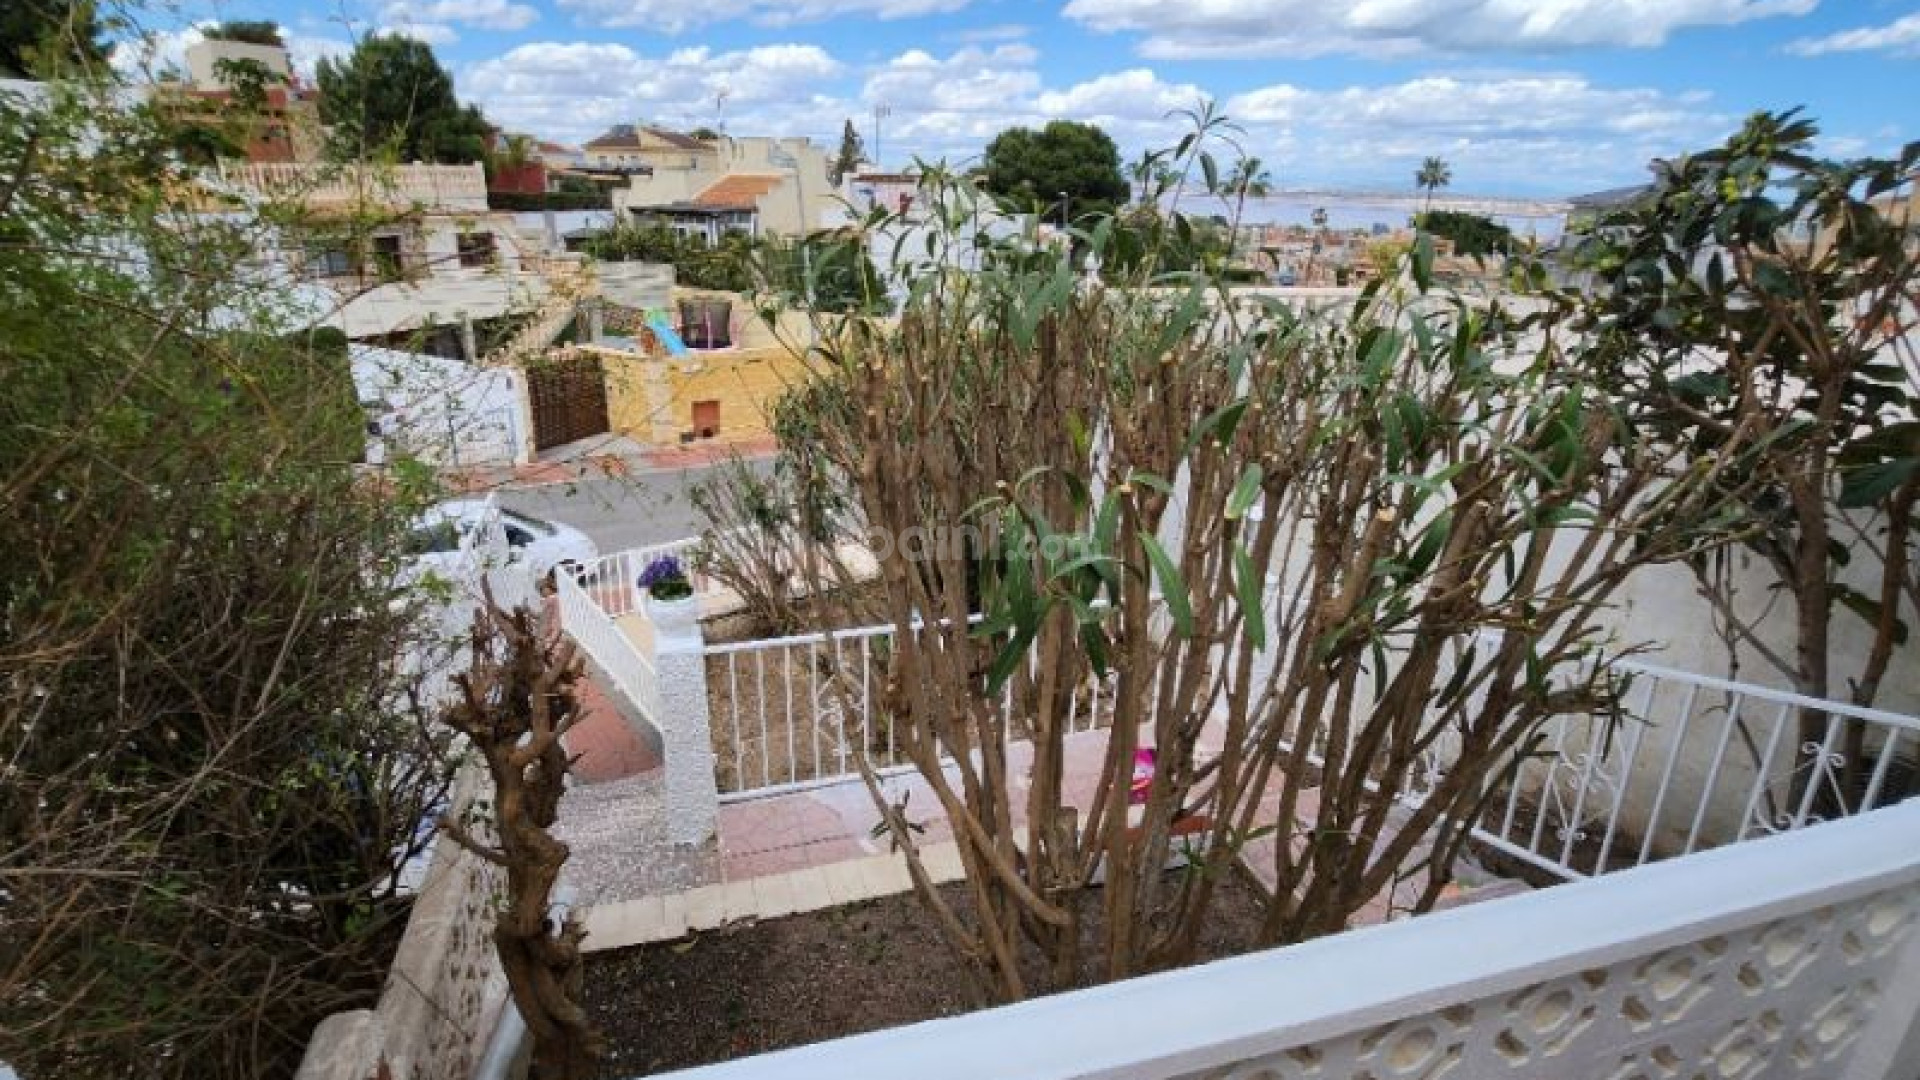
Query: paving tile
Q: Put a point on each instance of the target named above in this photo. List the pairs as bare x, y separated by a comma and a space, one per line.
631, 922
810, 892
706, 907
773, 896
738, 901
846, 884
942, 862
673, 917
887, 874
613, 926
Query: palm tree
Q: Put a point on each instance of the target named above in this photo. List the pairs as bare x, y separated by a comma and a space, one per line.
1249, 178
1433, 175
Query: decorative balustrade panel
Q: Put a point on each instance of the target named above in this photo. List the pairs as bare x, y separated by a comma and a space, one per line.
1787, 998
609, 646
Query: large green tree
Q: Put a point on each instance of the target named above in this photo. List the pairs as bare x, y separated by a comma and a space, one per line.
249, 31
1472, 234
1066, 161
36, 35
391, 96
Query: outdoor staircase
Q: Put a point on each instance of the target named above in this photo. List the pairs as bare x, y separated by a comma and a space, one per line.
548, 323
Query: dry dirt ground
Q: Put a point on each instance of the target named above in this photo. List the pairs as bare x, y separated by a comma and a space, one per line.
791, 981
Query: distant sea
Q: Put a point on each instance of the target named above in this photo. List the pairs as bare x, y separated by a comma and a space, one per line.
1540, 218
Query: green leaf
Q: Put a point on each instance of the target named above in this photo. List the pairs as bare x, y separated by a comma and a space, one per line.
1008, 660
1432, 540
1770, 278
1147, 479
1871, 485
1423, 261
1173, 587
1245, 492
1221, 423
1869, 610
1248, 584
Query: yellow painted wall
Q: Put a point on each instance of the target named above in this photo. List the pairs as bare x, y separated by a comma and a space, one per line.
651, 399
746, 383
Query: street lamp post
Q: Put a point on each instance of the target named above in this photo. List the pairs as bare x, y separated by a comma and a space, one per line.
1066, 209
880, 112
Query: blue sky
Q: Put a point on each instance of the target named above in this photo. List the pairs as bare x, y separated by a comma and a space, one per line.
1521, 96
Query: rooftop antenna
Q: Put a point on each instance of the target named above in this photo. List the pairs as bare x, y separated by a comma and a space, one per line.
720, 110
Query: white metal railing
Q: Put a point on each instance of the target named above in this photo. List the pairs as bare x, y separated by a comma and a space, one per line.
587, 623
1796, 957
612, 581
803, 711
1697, 762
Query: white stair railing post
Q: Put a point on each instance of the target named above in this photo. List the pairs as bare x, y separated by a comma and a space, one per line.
686, 730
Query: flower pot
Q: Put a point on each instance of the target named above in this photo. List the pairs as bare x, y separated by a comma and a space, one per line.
674, 618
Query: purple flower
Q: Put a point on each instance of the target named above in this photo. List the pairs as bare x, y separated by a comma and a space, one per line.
662, 570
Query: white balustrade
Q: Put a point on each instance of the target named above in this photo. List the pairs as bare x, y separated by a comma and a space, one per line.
596, 632
803, 711
1695, 762
612, 581
433, 187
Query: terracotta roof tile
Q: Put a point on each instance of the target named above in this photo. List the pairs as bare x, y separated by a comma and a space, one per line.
737, 189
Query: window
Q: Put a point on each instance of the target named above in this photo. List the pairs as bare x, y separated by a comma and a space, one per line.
706, 419
329, 262
476, 249
531, 528
433, 539
388, 262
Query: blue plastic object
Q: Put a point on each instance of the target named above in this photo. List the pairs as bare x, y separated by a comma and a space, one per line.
669, 337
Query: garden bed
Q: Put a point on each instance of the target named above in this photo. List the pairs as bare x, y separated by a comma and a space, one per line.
804, 978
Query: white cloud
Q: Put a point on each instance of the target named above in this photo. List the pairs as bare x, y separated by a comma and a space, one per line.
1397, 27
675, 16
481, 14
573, 91
158, 51
1900, 37
987, 35
1500, 131
308, 50
950, 107
430, 33
1136, 107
